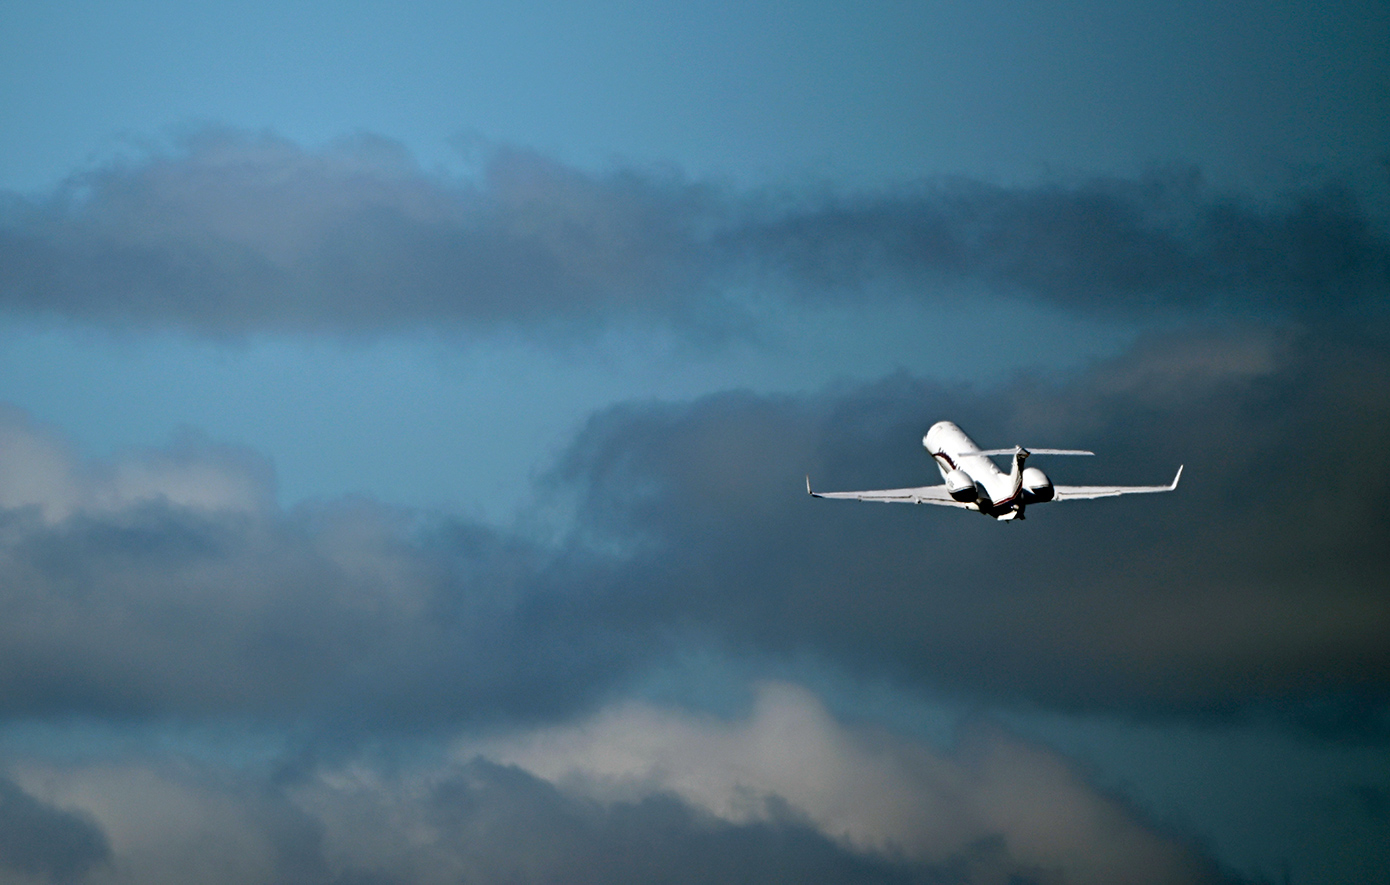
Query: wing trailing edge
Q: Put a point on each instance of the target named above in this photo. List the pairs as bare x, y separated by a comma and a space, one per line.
919, 495
1064, 493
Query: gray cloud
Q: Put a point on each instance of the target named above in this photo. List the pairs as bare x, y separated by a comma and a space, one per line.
1114, 247
184, 591
166, 585
992, 807
1260, 579
235, 233
334, 615
523, 829
995, 809
239, 233
46, 843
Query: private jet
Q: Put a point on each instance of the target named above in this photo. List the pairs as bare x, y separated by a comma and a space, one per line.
971, 480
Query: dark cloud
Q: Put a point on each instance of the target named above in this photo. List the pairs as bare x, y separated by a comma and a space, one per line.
1108, 246
236, 233
1021, 815
1261, 578
502, 824
167, 583
44, 842
991, 807
328, 616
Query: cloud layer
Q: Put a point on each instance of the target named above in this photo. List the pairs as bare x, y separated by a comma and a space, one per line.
1258, 578
43, 842
634, 794
167, 583
994, 807
235, 233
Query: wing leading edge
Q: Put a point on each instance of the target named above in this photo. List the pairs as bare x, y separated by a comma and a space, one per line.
920, 495
1064, 493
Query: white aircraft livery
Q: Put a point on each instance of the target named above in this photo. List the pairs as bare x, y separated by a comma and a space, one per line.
973, 482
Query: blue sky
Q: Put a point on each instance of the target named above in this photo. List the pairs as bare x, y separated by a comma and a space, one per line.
404, 411
869, 94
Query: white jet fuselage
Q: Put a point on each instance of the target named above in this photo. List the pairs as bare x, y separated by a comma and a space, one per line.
996, 493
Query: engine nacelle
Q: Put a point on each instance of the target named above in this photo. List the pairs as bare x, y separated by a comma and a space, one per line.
960, 486
1036, 486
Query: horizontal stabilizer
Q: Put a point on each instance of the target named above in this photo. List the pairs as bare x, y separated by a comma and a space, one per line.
992, 452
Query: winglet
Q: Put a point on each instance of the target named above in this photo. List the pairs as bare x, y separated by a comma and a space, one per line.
1170, 488
813, 494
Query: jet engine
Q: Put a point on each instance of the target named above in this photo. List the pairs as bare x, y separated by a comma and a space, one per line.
1036, 486
961, 487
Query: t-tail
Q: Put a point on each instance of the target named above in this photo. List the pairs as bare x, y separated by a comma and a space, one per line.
1020, 455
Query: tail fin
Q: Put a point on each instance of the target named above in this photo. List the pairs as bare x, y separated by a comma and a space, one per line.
1016, 472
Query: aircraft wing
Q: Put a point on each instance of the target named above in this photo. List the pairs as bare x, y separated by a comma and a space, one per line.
919, 495
1064, 493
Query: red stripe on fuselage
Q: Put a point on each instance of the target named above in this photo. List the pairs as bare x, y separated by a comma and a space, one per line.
995, 507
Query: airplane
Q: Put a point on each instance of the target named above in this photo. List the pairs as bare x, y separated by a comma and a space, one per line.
973, 482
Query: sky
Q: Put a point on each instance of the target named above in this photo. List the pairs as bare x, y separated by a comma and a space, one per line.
406, 410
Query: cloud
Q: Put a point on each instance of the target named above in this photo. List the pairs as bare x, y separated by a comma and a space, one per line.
166, 585
1111, 247
184, 592
632, 794
994, 807
240, 233
234, 233
38, 469
172, 820
166, 582
475, 821
330, 616
45, 843
1260, 578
